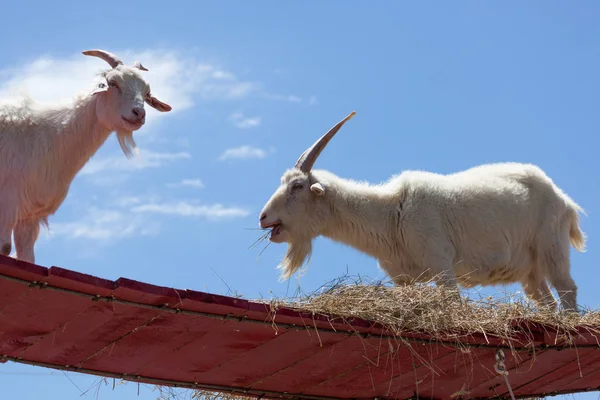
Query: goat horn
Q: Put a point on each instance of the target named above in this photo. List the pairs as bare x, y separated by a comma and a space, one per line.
139, 66
110, 58
308, 158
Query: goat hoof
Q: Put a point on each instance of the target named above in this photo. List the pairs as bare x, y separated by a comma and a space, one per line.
6, 248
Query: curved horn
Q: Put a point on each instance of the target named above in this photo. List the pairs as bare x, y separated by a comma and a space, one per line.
308, 158
110, 58
139, 66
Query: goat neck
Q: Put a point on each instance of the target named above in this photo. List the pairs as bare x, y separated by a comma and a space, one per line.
362, 216
80, 137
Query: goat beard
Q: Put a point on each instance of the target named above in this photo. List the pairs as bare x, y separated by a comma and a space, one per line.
127, 143
299, 249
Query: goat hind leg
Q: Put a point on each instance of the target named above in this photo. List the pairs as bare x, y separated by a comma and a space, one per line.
567, 291
26, 234
559, 275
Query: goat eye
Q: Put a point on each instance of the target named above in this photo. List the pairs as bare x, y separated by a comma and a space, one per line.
112, 84
297, 186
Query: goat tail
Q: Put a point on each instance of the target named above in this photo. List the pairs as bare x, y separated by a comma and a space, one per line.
576, 235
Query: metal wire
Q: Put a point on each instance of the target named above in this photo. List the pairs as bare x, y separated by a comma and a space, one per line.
501, 369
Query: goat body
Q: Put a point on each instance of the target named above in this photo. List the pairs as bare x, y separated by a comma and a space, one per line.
493, 224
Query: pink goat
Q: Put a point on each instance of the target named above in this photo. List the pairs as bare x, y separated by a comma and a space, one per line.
43, 148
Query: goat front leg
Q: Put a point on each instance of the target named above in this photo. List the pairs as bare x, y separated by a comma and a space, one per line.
26, 233
395, 271
443, 273
8, 217
446, 280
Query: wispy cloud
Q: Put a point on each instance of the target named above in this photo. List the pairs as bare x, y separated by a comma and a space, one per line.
193, 183
146, 159
131, 216
240, 121
243, 153
127, 201
279, 97
182, 208
105, 225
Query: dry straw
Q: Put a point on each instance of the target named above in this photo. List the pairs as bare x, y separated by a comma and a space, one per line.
440, 314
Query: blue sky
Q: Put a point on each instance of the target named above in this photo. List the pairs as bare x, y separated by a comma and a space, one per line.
440, 87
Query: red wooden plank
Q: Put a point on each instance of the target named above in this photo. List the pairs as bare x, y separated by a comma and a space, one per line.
287, 315
87, 333
162, 363
79, 282
348, 354
588, 362
283, 350
148, 333
164, 335
482, 379
215, 304
140, 292
34, 314
454, 373
546, 362
11, 292
223, 341
103, 351
589, 381
379, 375
414, 366
21, 270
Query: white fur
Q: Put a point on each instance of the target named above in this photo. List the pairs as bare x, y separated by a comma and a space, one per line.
43, 148
492, 224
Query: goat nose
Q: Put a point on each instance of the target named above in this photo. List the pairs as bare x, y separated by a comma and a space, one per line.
139, 112
263, 216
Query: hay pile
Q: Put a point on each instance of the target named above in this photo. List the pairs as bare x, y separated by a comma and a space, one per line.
425, 308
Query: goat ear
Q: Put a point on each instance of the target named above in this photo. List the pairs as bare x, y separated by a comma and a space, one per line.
317, 189
157, 104
100, 87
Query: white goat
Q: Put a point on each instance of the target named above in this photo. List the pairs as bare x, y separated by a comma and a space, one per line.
42, 148
492, 224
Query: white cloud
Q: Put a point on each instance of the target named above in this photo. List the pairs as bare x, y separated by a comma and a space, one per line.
194, 183
127, 201
243, 153
182, 208
279, 97
175, 78
131, 216
146, 159
105, 225
242, 122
